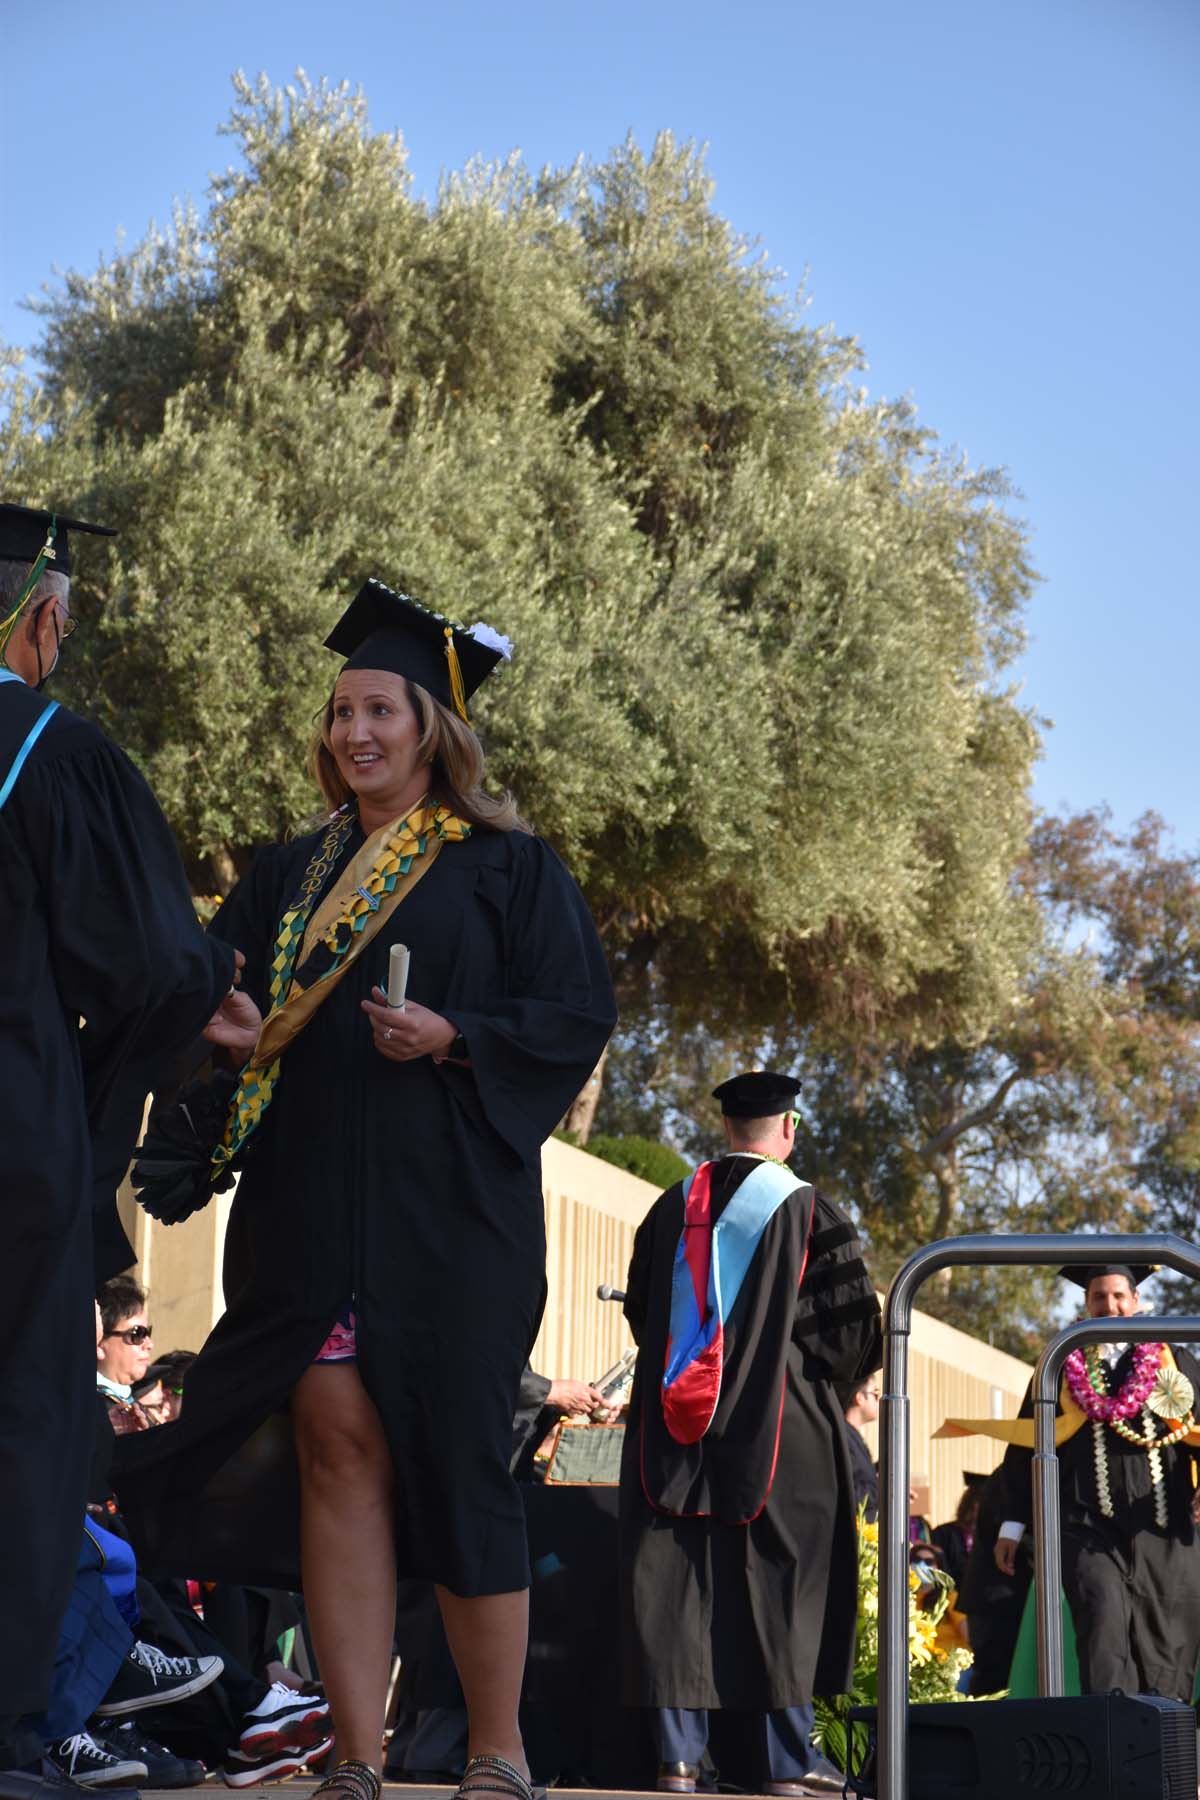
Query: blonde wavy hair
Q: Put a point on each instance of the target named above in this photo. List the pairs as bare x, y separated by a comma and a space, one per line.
451, 748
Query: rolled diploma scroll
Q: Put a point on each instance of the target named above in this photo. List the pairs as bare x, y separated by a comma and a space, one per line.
397, 975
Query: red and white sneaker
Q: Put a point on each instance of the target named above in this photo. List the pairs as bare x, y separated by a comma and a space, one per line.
247, 1771
284, 1720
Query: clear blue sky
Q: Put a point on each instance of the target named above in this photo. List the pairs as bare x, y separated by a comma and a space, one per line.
999, 201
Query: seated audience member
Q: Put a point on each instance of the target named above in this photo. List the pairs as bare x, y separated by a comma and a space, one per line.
168, 1371
955, 1538
104, 1671
124, 1352
259, 1730
860, 1406
922, 1560
148, 1394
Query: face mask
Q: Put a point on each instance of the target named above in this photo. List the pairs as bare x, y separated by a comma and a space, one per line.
45, 674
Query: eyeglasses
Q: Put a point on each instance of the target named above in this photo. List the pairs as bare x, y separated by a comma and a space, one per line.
66, 627
133, 1334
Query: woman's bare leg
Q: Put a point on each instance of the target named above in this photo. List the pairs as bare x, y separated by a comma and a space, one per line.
348, 1550
488, 1638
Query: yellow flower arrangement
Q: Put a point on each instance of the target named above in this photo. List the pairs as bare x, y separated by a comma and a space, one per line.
934, 1664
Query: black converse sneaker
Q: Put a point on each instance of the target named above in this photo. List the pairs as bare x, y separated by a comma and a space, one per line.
163, 1768
149, 1677
92, 1765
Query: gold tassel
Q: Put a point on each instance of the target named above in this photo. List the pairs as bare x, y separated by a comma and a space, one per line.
457, 692
45, 554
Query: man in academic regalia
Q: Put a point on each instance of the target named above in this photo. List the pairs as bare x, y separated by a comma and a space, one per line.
1131, 1562
96, 924
748, 1298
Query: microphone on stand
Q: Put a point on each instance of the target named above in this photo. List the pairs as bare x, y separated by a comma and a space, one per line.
604, 1292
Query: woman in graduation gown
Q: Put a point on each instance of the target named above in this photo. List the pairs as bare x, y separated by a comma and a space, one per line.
389, 1219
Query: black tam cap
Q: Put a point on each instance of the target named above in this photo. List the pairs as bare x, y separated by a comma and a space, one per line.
1083, 1274
381, 629
24, 531
757, 1095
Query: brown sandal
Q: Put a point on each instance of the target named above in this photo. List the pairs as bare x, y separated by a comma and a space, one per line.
511, 1783
351, 1780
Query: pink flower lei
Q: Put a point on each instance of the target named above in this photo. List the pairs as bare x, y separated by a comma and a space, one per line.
1130, 1397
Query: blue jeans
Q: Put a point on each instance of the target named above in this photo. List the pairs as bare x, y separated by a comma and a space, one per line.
93, 1642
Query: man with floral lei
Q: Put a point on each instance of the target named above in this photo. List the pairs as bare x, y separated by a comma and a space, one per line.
1128, 1444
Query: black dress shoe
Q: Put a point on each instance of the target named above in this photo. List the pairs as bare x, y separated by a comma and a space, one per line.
823, 1779
677, 1778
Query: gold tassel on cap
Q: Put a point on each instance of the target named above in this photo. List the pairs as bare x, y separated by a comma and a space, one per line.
46, 554
457, 691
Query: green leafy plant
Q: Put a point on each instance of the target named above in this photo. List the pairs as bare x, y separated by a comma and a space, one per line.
934, 1665
642, 1156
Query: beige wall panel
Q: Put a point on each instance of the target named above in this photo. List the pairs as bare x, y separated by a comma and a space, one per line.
180, 1266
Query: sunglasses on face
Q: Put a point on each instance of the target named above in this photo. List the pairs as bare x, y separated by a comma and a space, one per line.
133, 1334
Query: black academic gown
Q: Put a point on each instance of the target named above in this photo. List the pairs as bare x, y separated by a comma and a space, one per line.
951, 1540
864, 1474
96, 922
758, 1614
992, 1601
1133, 1587
413, 1189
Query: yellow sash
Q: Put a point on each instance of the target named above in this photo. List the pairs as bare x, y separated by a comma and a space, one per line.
1067, 1423
379, 856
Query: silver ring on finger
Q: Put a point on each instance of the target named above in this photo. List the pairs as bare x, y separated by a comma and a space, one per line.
387, 1034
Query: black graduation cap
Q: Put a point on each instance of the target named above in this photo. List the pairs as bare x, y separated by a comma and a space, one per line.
24, 530
758, 1095
1083, 1274
382, 629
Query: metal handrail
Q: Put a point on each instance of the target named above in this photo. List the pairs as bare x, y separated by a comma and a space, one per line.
1140, 1328
1013, 1250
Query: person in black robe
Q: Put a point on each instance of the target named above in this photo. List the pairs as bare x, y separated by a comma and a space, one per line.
1130, 1559
955, 1538
991, 1599
738, 1551
390, 1209
860, 1406
98, 925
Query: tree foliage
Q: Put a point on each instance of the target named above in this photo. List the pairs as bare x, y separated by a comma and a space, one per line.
763, 620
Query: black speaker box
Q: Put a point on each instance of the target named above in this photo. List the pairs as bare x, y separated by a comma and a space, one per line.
1099, 1747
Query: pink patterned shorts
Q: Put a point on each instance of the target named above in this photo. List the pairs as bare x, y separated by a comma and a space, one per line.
341, 1345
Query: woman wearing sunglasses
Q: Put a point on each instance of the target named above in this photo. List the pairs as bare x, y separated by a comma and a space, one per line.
124, 1352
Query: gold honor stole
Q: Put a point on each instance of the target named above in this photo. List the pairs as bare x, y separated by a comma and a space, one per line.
1068, 1422
382, 874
